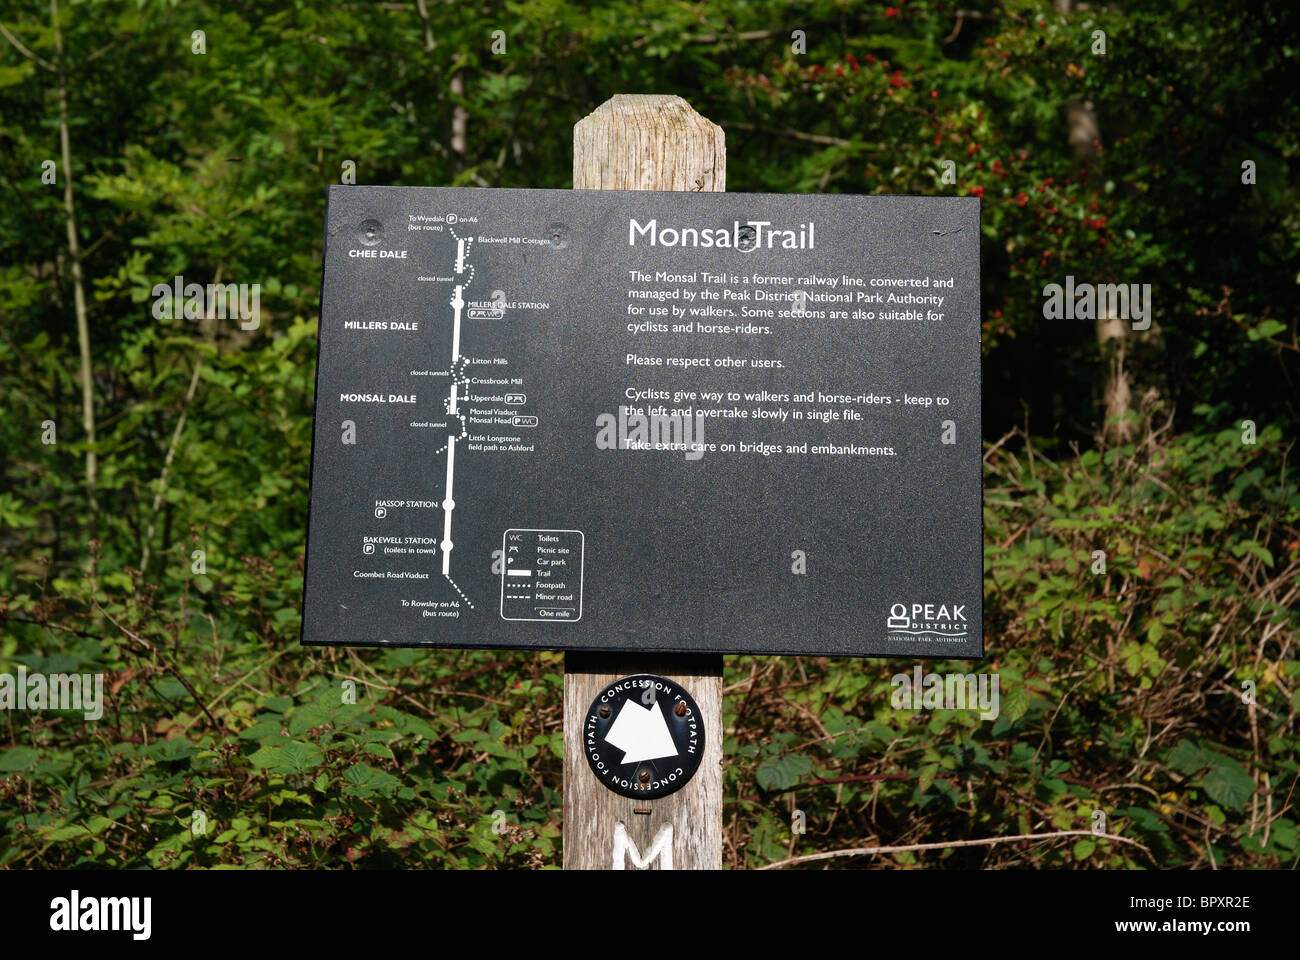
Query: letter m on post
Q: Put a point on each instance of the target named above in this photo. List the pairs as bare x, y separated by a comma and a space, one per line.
661, 846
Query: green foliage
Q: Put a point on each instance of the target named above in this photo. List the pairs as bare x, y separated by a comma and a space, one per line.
248, 778
1121, 691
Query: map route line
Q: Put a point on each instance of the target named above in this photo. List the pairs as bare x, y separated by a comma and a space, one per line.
448, 503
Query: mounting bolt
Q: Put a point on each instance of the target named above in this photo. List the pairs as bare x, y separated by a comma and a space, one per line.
644, 776
681, 709
604, 712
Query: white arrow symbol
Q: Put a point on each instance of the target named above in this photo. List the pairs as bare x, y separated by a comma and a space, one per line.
641, 733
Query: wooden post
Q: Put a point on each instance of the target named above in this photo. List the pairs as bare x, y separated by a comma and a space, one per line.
644, 142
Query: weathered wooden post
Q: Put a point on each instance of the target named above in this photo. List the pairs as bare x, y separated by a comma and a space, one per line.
644, 142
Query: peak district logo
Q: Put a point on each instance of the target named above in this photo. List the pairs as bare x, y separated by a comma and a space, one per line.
927, 622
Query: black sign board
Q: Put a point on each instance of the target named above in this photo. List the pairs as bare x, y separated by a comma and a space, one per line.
679, 422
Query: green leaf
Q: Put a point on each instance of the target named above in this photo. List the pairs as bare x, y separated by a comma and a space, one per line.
265, 758
177, 748
926, 777
18, 758
298, 757
363, 780
783, 772
1255, 550
1187, 757
1227, 781
289, 758
1268, 328
1015, 702
263, 728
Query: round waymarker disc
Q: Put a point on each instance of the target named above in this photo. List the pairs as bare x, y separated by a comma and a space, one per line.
643, 736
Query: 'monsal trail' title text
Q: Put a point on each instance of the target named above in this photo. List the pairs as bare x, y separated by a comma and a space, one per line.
746, 236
